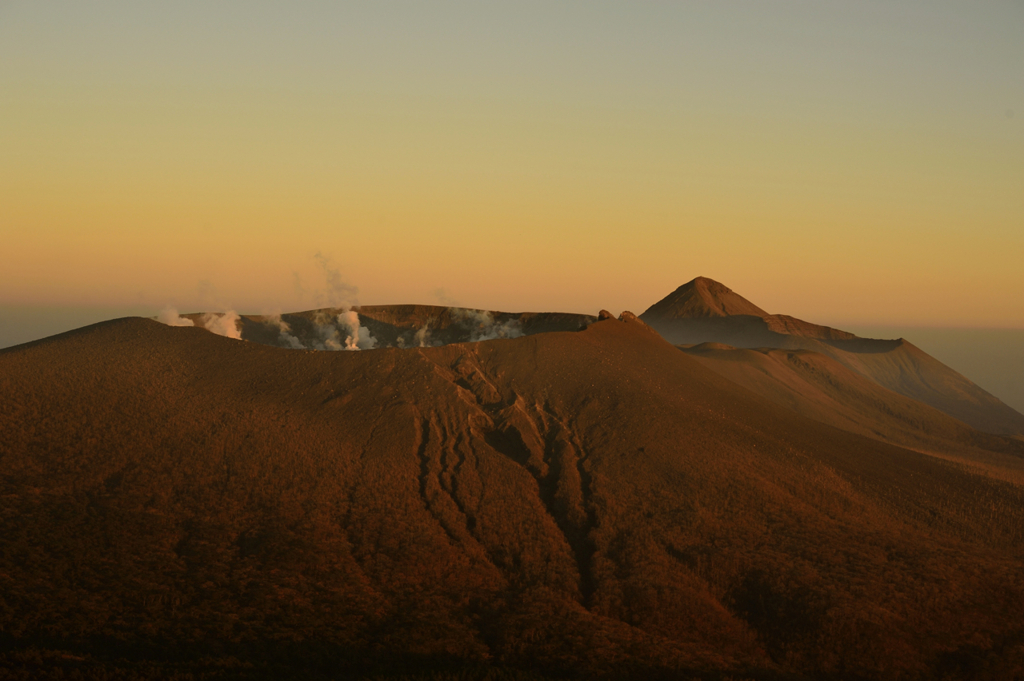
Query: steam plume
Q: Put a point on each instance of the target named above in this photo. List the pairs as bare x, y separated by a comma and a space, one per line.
482, 326
445, 299
342, 332
225, 324
339, 293
284, 330
169, 316
359, 337
422, 337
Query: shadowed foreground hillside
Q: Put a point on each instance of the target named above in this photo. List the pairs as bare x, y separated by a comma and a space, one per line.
575, 504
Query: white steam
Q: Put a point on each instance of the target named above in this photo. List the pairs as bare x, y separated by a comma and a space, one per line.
329, 338
359, 337
482, 326
343, 332
284, 330
444, 299
422, 337
225, 324
339, 293
169, 316
478, 325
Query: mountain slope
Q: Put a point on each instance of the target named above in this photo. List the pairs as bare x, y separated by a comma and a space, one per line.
817, 386
702, 298
894, 364
570, 502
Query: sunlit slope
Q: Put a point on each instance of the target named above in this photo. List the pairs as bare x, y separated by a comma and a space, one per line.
570, 501
825, 390
704, 311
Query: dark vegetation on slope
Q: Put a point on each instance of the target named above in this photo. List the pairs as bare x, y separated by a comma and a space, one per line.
567, 504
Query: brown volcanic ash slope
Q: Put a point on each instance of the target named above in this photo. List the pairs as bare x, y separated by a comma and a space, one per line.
570, 502
704, 311
817, 386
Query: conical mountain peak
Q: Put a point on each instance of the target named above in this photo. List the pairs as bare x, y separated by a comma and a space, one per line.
701, 297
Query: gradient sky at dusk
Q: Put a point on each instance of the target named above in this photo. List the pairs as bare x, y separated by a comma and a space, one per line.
846, 163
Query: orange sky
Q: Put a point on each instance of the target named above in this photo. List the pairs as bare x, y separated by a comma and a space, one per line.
840, 164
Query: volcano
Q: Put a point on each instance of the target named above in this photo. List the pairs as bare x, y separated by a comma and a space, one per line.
704, 311
587, 503
702, 298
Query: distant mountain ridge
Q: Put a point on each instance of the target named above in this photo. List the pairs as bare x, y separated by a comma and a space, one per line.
704, 310
703, 298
